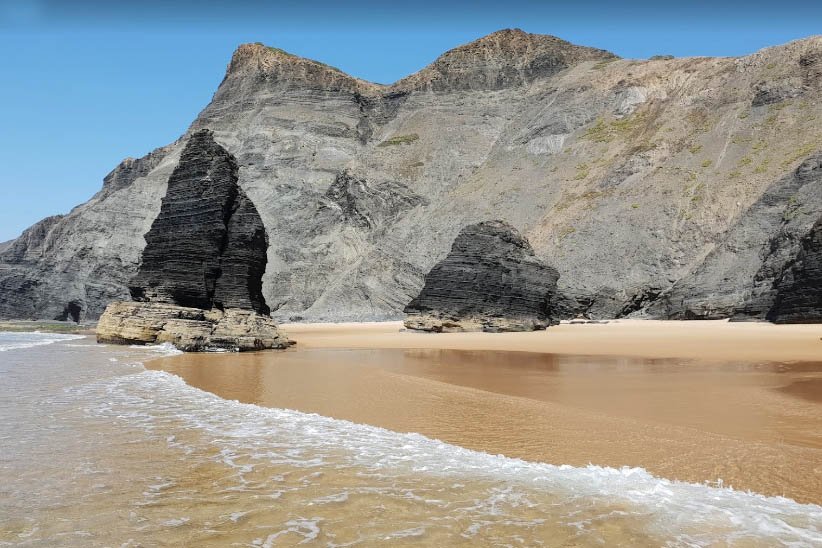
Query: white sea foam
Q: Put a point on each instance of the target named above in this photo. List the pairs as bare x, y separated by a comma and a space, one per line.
309, 529
693, 514
405, 533
176, 522
166, 349
10, 340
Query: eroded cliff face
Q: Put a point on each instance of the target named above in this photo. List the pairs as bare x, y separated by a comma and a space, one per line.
489, 281
737, 279
625, 175
799, 289
207, 247
72, 266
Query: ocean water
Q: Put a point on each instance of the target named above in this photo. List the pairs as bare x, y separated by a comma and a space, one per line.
96, 450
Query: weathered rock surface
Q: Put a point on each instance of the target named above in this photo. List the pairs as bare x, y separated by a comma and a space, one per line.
200, 278
188, 329
207, 247
512, 58
738, 277
490, 281
625, 175
84, 259
366, 206
799, 289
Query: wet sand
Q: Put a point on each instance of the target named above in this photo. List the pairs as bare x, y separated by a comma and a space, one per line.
695, 401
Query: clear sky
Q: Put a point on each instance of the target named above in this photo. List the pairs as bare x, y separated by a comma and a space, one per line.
87, 83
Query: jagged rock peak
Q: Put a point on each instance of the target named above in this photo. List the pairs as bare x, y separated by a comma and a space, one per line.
207, 247
277, 65
490, 281
131, 169
200, 280
505, 58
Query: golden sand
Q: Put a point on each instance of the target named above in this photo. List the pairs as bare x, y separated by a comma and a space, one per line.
714, 340
696, 401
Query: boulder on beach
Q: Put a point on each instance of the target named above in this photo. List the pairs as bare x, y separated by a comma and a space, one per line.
189, 329
490, 281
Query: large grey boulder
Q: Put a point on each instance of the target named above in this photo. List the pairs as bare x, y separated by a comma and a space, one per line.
490, 281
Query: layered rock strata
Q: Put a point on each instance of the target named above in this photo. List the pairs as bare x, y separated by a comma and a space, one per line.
653, 186
738, 278
490, 281
799, 289
189, 329
366, 206
511, 58
207, 247
200, 279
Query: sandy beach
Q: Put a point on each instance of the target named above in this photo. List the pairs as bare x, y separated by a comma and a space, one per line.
736, 404
712, 340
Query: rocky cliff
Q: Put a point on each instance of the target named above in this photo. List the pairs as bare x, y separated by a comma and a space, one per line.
738, 277
508, 58
799, 289
626, 175
489, 281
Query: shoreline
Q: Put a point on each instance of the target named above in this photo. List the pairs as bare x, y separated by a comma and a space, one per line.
48, 326
750, 423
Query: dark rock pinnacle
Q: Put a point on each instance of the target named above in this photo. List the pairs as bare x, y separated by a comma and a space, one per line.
207, 247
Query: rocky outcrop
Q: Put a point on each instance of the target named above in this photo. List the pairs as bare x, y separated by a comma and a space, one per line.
368, 206
32, 240
738, 278
272, 67
637, 180
200, 279
799, 289
131, 169
207, 247
18, 266
71, 266
502, 59
769, 94
490, 281
189, 329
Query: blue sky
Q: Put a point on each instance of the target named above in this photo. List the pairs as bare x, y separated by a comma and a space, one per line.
87, 83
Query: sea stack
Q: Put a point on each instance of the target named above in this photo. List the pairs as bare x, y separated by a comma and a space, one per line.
199, 285
490, 281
